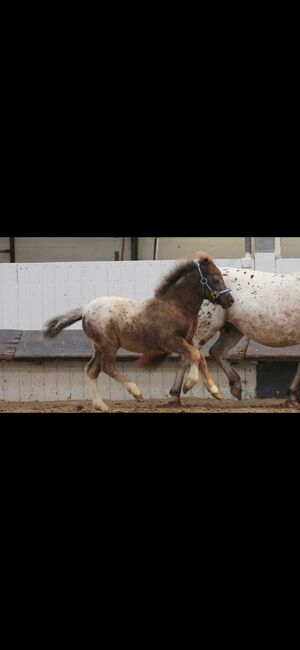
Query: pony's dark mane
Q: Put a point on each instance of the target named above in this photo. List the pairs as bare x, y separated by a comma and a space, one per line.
173, 276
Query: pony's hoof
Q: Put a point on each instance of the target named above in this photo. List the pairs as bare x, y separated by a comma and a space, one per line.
294, 404
139, 398
188, 386
174, 400
217, 395
214, 390
236, 391
101, 407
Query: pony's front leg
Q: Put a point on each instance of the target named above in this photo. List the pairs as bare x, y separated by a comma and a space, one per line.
208, 381
110, 369
196, 360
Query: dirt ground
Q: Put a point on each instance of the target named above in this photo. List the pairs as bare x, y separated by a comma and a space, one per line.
188, 405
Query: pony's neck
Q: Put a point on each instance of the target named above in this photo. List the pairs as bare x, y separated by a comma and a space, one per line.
187, 293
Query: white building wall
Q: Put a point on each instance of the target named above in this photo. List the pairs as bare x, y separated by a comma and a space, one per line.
68, 249
170, 248
290, 247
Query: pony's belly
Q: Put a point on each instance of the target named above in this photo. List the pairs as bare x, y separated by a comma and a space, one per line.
269, 331
136, 345
274, 341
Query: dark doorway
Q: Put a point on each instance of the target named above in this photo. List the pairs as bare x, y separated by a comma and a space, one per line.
273, 379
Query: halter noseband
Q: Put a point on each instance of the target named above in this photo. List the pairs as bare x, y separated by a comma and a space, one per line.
204, 283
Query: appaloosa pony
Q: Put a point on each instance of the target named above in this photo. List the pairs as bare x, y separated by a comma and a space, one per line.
155, 327
266, 309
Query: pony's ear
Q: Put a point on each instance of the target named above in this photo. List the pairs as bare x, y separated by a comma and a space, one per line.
204, 258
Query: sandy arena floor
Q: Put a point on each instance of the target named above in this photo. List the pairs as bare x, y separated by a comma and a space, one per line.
188, 405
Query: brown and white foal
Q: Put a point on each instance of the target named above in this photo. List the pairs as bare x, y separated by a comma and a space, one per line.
154, 327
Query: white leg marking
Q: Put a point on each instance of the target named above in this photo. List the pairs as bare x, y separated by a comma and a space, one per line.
213, 389
96, 399
134, 390
193, 377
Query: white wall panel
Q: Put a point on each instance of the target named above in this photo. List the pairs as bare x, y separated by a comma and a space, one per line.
24, 291
25, 381
288, 265
38, 382
36, 296
114, 284
8, 296
101, 278
50, 377
141, 280
87, 282
127, 280
61, 288
11, 381
63, 380
48, 294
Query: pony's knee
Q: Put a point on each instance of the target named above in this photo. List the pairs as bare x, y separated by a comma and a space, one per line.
197, 358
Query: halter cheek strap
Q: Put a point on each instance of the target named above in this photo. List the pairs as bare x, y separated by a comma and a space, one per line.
205, 284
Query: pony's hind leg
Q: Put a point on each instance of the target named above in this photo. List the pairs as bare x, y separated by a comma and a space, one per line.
293, 400
109, 367
92, 371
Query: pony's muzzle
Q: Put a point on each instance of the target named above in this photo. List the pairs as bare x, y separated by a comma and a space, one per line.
226, 301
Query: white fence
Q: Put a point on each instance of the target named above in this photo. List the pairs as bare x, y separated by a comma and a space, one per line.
65, 380
268, 262
32, 293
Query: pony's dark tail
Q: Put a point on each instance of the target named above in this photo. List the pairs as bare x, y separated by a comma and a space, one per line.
151, 360
55, 325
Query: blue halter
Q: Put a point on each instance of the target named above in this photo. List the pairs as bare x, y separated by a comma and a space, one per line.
204, 283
